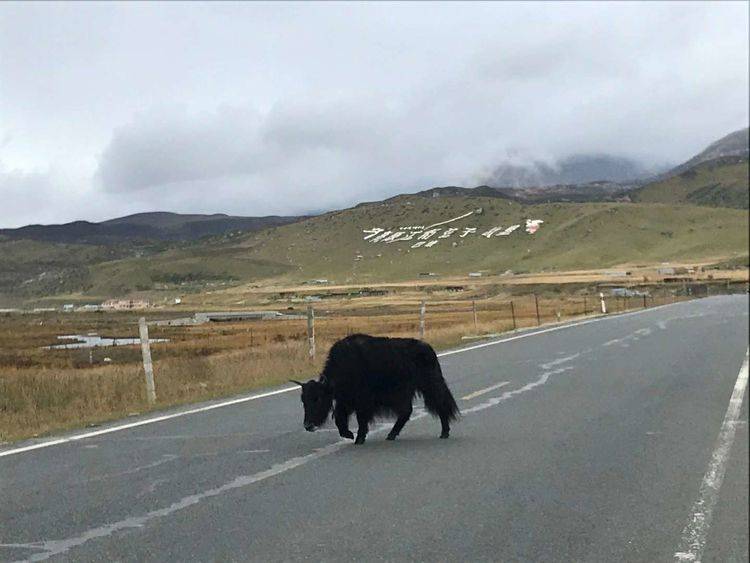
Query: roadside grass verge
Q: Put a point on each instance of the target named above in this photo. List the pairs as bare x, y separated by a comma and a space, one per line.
43, 391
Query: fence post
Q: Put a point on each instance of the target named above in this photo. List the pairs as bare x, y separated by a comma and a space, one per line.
474, 312
148, 367
311, 331
513, 314
585, 307
604, 305
536, 302
644, 301
422, 308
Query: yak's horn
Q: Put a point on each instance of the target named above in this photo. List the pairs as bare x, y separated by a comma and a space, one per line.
297, 382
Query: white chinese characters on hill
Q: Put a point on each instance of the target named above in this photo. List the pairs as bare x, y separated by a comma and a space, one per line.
421, 236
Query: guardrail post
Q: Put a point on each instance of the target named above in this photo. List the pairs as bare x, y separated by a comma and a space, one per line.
604, 305
538, 318
513, 315
148, 367
422, 308
311, 331
474, 312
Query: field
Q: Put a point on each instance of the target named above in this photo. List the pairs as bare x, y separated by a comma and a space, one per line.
49, 390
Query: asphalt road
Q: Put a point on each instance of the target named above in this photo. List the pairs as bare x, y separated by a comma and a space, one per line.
597, 448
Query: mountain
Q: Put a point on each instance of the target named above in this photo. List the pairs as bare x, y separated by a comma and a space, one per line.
465, 233
157, 226
717, 177
576, 169
589, 192
735, 144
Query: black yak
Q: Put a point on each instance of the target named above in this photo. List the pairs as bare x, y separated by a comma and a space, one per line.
372, 376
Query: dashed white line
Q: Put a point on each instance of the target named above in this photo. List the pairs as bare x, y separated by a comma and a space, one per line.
483, 391
694, 535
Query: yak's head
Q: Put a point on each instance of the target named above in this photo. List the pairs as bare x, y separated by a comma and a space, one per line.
317, 399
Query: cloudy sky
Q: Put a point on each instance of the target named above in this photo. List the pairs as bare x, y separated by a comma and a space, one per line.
109, 109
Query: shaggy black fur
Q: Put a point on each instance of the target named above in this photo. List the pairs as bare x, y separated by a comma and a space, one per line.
372, 376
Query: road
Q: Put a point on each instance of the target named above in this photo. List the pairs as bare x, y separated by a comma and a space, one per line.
608, 440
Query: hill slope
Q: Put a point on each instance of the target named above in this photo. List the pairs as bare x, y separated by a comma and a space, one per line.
157, 226
722, 182
736, 144
465, 234
332, 246
572, 236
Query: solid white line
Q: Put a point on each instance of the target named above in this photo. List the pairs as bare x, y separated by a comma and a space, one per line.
476, 394
695, 533
230, 402
143, 422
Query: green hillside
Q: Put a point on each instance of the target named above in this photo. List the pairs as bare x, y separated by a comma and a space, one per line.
572, 236
331, 246
718, 183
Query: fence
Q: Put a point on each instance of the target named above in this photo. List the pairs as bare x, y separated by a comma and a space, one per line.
443, 323
219, 359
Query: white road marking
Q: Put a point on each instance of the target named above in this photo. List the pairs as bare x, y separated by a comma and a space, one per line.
483, 391
560, 361
696, 531
634, 337
543, 378
143, 422
52, 548
239, 400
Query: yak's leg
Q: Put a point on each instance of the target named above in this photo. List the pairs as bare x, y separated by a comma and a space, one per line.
341, 416
445, 422
403, 416
363, 420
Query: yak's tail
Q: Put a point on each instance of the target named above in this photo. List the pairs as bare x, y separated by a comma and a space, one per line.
438, 399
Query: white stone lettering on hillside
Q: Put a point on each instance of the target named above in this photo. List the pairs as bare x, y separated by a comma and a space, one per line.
532, 225
427, 237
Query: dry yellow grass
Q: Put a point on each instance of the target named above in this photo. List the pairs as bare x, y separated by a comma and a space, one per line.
43, 391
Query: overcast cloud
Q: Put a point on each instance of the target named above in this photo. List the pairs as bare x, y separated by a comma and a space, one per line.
109, 109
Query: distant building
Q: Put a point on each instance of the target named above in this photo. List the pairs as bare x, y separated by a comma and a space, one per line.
475, 274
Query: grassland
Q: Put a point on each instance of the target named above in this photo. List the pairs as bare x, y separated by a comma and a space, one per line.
574, 236
42, 391
718, 183
331, 246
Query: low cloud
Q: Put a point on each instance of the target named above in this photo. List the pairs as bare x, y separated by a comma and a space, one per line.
287, 108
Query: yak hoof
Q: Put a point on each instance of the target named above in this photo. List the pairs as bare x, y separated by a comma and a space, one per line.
360, 440
346, 434
391, 437
444, 435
